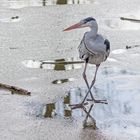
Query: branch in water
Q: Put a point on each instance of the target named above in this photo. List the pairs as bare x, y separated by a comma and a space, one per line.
133, 46
130, 19
15, 90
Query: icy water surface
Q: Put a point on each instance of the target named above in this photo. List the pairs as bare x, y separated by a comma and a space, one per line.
37, 56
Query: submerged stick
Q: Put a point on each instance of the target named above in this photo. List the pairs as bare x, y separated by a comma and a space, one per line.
133, 46
130, 19
63, 62
15, 89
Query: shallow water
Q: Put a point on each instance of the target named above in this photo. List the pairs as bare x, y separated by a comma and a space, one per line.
120, 115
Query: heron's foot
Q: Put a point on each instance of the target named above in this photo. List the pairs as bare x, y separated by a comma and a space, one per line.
77, 106
98, 101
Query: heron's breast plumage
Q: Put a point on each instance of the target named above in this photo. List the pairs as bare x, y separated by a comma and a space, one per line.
96, 51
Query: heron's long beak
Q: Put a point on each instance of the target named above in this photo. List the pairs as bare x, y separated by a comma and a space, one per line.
77, 25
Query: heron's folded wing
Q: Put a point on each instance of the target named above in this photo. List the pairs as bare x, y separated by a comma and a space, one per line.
96, 48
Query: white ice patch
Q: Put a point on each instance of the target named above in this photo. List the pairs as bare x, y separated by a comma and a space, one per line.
111, 60
118, 51
122, 24
31, 63
129, 21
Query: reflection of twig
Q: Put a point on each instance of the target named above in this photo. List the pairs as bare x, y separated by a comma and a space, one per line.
130, 19
14, 89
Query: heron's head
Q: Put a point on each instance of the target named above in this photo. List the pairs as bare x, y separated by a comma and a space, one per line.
87, 22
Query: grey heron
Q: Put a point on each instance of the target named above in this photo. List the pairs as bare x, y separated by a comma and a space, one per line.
93, 49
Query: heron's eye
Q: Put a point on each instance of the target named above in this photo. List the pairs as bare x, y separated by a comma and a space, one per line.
84, 21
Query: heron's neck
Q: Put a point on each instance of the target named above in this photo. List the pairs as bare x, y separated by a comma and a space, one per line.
92, 33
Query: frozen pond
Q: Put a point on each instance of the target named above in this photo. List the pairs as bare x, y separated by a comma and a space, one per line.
37, 56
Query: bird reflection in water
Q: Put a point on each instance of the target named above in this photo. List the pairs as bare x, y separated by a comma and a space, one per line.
62, 108
92, 122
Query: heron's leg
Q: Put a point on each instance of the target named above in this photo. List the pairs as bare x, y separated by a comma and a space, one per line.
89, 88
92, 83
85, 78
81, 105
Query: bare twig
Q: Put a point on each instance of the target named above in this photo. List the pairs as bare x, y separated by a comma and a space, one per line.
133, 46
15, 90
63, 62
130, 19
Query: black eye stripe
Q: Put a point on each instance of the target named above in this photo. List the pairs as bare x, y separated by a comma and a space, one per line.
88, 19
